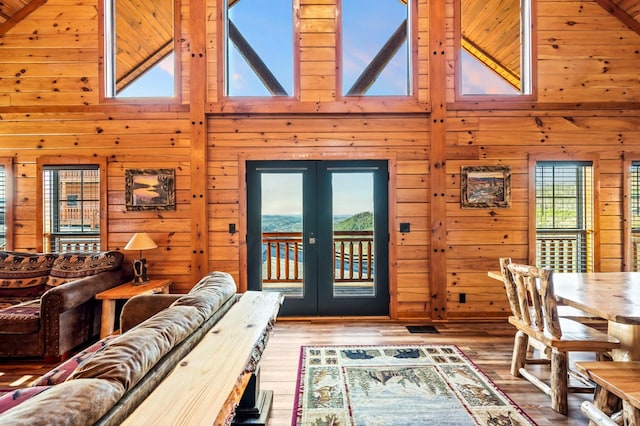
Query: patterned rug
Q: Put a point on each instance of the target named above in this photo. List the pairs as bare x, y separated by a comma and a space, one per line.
397, 385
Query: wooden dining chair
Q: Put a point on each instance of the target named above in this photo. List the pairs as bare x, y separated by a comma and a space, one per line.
535, 316
564, 311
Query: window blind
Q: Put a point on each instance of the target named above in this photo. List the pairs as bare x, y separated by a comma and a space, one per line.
71, 206
3, 208
634, 199
564, 216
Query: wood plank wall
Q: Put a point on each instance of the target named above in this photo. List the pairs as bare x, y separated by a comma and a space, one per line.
584, 56
588, 97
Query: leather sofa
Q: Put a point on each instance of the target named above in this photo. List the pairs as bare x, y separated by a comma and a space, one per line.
105, 383
47, 301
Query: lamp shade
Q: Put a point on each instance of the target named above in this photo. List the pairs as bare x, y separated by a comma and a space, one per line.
140, 241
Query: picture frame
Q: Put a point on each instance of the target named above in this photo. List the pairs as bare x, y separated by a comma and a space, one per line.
150, 189
485, 186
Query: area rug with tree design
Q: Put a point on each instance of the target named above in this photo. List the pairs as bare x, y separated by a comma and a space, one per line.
397, 385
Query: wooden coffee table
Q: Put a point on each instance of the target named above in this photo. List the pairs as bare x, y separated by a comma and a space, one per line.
124, 292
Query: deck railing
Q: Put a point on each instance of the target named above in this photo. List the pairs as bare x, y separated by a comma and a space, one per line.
635, 251
283, 256
564, 252
72, 243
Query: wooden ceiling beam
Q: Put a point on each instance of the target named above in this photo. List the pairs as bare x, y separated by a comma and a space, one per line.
377, 64
622, 16
255, 62
20, 15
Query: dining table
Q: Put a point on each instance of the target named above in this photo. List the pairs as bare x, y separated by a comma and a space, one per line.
614, 296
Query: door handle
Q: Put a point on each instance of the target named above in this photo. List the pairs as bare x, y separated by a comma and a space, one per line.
312, 238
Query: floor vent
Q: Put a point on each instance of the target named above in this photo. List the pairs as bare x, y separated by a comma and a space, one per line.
422, 329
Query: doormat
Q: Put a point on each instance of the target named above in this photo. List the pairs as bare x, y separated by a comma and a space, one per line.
397, 385
429, 329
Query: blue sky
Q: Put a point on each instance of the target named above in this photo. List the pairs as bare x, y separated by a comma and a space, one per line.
282, 193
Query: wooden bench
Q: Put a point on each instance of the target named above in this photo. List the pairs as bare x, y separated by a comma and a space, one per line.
617, 392
207, 385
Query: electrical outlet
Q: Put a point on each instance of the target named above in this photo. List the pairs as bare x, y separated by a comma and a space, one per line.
405, 227
462, 297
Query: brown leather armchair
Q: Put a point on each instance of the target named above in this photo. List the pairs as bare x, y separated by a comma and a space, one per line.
66, 314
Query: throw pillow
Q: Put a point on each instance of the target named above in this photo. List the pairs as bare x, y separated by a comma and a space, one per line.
23, 275
72, 266
18, 396
60, 373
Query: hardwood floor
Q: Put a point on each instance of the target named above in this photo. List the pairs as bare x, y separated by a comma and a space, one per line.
487, 344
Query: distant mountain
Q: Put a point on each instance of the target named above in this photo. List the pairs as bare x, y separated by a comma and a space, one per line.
293, 223
281, 223
358, 222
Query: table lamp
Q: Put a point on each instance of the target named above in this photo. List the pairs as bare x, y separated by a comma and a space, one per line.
140, 241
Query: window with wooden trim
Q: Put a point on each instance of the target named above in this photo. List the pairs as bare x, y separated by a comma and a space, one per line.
259, 48
72, 199
140, 48
564, 215
376, 47
494, 48
6, 203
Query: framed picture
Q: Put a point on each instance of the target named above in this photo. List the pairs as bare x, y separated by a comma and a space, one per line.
150, 189
485, 186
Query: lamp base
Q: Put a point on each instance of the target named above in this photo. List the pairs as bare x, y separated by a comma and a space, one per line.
140, 271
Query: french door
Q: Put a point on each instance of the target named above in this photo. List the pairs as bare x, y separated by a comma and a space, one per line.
317, 231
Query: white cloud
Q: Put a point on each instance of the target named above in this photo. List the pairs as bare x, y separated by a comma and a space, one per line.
168, 65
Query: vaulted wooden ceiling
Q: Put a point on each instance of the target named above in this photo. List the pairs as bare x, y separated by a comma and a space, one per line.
13, 11
145, 31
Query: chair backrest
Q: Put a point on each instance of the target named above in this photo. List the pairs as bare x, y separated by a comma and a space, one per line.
510, 287
535, 298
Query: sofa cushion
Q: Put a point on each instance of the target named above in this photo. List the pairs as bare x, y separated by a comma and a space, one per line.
7, 302
24, 275
71, 266
129, 357
60, 373
18, 396
23, 318
209, 293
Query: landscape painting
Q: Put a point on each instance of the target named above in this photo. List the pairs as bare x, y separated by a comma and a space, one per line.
150, 189
485, 186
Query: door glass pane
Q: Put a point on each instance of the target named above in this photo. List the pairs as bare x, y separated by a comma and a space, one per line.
281, 230
353, 213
